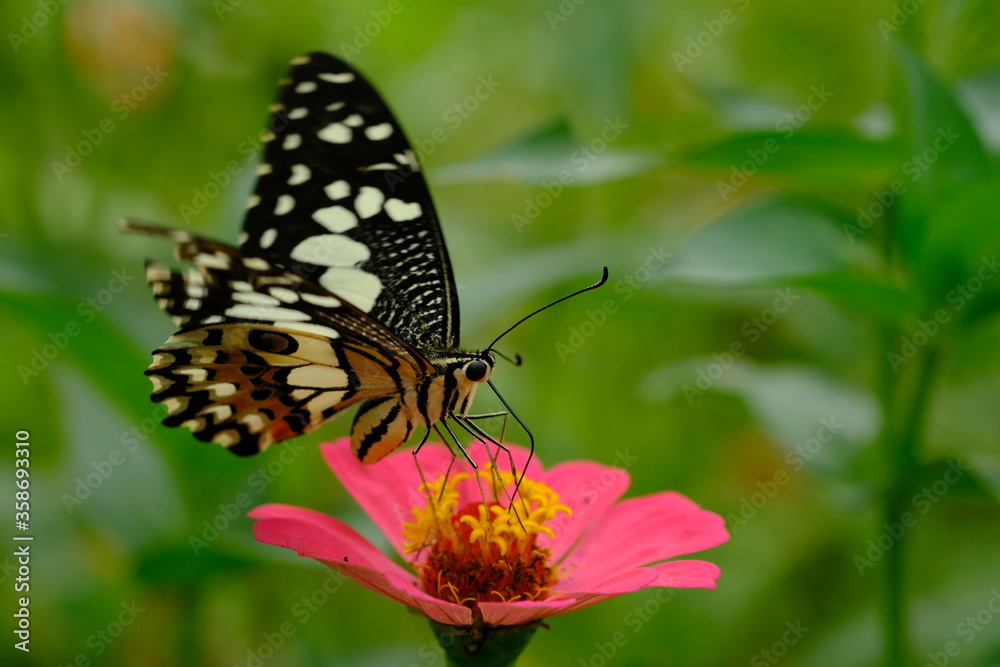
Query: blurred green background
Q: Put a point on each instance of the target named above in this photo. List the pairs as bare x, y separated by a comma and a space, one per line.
799, 206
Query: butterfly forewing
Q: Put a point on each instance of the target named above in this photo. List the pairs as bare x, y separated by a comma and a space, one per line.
341, 201
340, 293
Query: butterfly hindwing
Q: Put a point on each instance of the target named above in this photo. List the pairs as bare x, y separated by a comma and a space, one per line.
340, 200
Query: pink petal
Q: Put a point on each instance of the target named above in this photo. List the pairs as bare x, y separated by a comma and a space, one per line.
337, 545
588, 489
686, 574
640, 531
516, 613
319, 536
387, 490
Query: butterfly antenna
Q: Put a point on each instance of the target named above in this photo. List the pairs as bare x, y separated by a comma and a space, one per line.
604, 279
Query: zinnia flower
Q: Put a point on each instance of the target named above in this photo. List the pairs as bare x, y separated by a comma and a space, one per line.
565, 543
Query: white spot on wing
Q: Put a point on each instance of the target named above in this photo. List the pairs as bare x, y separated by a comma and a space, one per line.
291, 141
330, 250
256, 263
344, 77
299, 112
263, 168
320, 377
196, 374
268, 237
321, 300
336, 218
335, 106
300, 174
311, 328
337, 189
400, 211
306, 87
369, 201
285, 294
378, 132
249, 311
221, 389
354, 120
359, 287
335, 133
253, 201
285, 204
255, 298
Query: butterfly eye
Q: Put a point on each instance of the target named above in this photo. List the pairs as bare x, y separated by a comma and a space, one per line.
476, 370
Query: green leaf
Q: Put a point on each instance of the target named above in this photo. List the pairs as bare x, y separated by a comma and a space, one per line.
769, 242
554, 153
941, 149
812, 157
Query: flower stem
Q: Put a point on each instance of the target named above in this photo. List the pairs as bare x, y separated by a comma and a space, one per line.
905, 396
483, 645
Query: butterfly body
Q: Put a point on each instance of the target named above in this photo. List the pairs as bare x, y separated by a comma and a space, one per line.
340, 294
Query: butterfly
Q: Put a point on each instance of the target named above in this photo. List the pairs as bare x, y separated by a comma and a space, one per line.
341, 292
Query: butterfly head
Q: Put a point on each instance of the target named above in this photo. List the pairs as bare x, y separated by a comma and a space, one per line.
480, 368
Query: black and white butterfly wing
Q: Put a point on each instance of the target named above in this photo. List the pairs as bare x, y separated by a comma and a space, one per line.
340, 201
262, 354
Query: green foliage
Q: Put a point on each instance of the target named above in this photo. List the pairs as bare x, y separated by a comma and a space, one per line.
800, 208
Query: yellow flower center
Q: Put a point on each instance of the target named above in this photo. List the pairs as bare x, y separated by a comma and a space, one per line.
484, 552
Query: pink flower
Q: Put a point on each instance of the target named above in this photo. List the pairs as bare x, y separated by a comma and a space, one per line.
572, 542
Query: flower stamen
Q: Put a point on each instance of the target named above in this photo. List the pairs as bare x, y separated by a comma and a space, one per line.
485, 551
